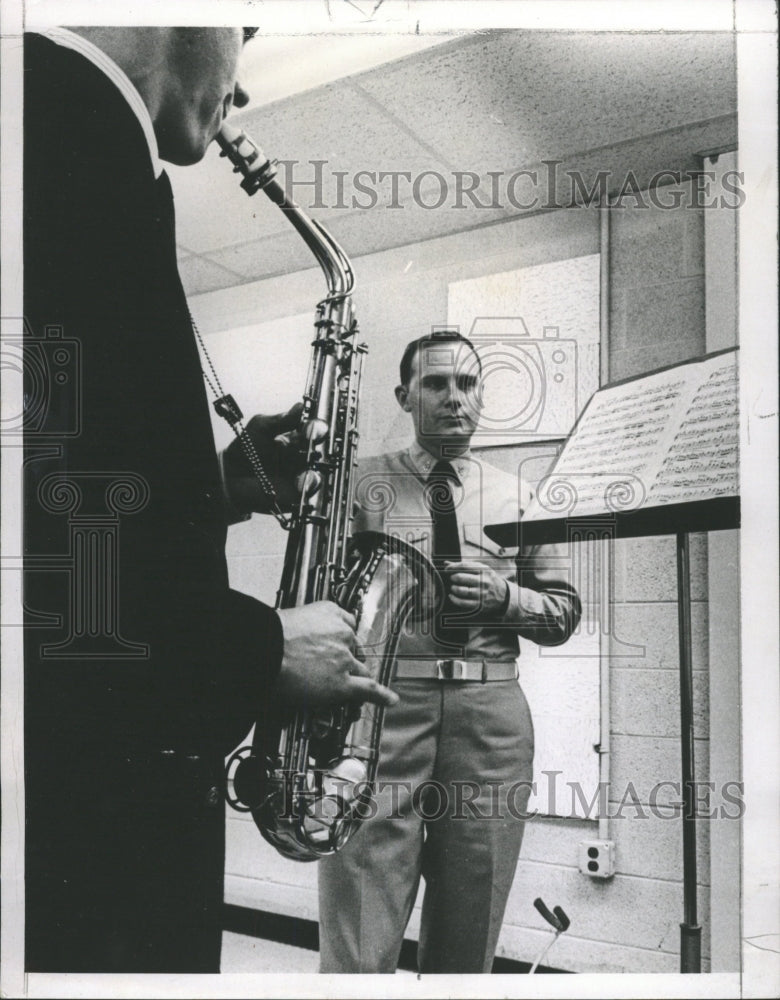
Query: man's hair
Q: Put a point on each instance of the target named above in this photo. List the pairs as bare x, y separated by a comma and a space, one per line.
437, 337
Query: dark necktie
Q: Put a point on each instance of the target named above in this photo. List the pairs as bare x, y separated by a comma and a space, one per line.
446, 545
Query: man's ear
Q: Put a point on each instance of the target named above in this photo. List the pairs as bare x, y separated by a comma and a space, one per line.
402, 395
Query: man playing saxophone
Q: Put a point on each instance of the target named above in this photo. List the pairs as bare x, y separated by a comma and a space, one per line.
143, 670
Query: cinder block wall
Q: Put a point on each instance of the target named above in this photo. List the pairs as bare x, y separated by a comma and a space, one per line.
656, 317
656, 312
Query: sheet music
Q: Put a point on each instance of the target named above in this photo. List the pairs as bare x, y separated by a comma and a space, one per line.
702, 460
671, 437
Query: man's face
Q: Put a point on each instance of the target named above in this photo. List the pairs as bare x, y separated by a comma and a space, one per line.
203, 65
443, 395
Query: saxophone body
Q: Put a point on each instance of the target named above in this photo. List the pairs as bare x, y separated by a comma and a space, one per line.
310, 791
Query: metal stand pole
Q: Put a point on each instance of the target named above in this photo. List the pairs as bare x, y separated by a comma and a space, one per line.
690, 930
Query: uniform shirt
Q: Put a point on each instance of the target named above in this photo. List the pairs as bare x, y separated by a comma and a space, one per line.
542, 604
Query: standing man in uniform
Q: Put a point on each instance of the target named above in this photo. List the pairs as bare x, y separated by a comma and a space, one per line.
455, 764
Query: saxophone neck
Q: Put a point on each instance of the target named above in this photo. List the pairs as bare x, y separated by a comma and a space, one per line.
259, 173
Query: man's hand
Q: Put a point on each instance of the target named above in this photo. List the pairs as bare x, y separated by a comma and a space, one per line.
473, 586
319, 667
279, 455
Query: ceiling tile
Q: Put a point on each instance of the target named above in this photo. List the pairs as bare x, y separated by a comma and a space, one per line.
274, 67
201, 275
494, 101
335, 125
280, 254
513, 97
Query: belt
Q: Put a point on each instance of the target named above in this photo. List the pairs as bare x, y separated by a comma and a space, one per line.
456, 670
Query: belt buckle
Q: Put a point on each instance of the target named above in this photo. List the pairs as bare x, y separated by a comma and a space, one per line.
451, 670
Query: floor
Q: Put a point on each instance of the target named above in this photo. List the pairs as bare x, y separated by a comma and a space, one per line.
242, 953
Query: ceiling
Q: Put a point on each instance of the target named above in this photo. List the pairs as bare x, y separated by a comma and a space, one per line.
497, 102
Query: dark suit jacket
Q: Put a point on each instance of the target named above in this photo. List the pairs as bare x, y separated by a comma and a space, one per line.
135, 644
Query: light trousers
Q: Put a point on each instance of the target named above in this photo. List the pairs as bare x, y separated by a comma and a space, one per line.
454, 778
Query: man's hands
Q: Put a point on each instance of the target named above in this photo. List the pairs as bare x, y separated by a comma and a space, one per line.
280, 457
473, 586
319, 667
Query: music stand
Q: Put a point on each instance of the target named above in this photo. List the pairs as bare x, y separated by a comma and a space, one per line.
699, 513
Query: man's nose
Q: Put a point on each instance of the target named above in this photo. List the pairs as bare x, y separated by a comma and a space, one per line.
456, 396
240, 96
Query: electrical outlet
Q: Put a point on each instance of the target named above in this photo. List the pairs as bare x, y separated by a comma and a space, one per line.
597, 858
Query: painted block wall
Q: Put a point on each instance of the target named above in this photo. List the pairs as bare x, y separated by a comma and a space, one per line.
656, 317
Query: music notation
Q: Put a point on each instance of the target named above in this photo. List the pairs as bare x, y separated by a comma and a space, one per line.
668, 438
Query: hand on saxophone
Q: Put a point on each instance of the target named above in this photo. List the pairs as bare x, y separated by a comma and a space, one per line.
319, 665
275, 441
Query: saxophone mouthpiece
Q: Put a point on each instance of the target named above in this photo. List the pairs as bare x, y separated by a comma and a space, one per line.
246, 156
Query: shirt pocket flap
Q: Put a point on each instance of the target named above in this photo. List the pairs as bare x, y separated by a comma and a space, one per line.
474, 536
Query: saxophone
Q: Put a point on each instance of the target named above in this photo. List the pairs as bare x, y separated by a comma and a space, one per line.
309, 792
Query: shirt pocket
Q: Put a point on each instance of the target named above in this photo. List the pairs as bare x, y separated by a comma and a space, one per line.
476, 543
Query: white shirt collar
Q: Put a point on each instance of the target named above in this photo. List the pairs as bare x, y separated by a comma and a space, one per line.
71, 40
424, 462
